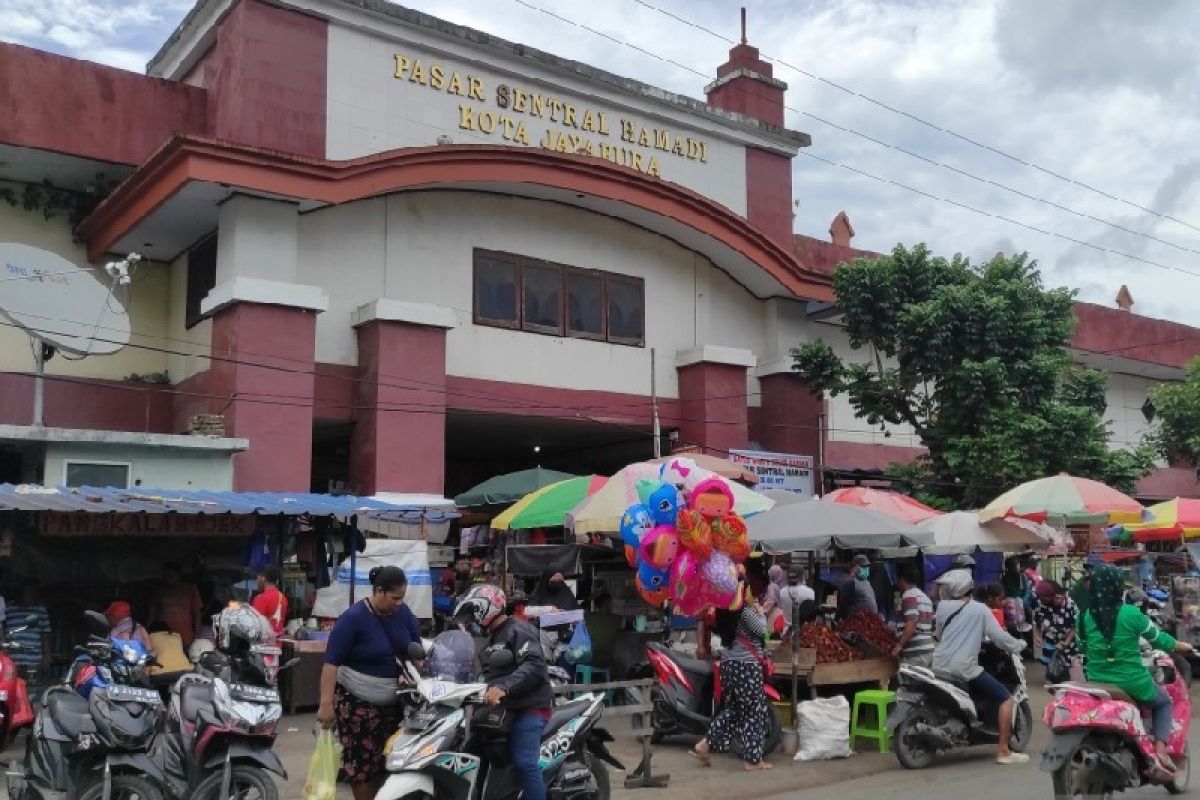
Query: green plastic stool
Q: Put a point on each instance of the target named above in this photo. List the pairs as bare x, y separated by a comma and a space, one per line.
878, 699
586, 673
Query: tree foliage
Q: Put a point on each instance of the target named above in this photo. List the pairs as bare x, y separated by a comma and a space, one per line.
976, 362
1177, 410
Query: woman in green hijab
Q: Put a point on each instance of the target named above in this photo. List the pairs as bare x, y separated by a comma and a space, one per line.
1110, 631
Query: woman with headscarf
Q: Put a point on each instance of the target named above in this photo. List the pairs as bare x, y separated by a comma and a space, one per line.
745, 715
770, 605
1110, 631
554, 591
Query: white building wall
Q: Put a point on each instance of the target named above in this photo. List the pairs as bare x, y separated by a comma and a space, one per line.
418, 247
370, 110
148, 306
155, 467
1126, 394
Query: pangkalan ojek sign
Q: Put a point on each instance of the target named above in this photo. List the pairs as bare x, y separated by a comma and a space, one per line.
519, 116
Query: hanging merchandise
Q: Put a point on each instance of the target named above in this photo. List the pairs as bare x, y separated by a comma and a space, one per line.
693, 554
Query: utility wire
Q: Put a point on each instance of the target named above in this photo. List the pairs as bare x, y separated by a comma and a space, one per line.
927, 123
925, 159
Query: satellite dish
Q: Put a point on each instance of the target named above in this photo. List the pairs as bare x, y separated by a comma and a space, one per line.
59, 303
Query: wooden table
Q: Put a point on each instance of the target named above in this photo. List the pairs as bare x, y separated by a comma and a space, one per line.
867, 670
300, 686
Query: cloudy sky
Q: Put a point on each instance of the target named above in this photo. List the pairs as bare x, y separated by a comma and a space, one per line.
1103, 92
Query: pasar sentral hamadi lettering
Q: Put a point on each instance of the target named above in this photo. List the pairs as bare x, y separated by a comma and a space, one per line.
531, 118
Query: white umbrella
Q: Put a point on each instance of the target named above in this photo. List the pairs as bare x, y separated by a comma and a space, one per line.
962, 532
814, 525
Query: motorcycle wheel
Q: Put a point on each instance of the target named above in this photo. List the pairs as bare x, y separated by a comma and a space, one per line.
600, 776
910, 753
1183, 775
1071, 780
774, 730
1183, 667
1022, 730
246, 783
124, 787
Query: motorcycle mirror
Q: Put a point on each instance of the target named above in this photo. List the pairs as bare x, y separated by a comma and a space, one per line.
97, 623
501, 659
416, 652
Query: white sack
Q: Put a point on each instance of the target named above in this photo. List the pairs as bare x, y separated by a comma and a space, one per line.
824, 729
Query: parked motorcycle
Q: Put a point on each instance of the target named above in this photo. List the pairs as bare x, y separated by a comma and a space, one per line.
223, 718
12, 687
91, 738
438, 752
934, 714
1100, 740
688, 696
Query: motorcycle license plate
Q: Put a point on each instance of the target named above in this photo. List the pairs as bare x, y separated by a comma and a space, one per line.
254, 694
133, 694
420, 720
266, 650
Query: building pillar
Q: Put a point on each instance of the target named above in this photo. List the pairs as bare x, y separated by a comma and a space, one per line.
712, 398
263, 349
791, 415
399, 441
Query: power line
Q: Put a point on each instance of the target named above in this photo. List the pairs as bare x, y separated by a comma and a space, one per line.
927, 123
918, 156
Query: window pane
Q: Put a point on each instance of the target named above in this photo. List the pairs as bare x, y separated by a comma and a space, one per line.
83, 474
496, 290
585, 304
201, 277
542, 297
626, 310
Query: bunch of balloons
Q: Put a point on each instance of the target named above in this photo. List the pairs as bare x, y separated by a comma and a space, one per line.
685, 540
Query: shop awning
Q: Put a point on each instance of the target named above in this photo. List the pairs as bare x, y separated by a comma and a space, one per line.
108, 500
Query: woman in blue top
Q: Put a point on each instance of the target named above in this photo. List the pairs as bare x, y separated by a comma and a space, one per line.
361, 677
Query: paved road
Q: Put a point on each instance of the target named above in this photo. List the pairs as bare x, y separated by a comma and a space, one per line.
968, 775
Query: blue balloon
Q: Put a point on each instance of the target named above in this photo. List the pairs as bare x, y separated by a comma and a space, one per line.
664, 503
636, 522
653, 578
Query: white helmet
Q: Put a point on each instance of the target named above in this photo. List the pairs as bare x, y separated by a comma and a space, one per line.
199, 648
956, 583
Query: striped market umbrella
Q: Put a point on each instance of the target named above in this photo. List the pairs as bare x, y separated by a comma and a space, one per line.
1073, 500
1173, 520
548, 507
894, 504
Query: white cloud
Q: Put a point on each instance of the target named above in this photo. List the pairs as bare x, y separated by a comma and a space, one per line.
1101, 90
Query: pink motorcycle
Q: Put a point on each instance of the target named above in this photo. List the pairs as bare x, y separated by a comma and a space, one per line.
1100, 739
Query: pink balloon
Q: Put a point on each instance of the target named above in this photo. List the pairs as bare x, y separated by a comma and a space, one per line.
660, 547
720, 579
687, 586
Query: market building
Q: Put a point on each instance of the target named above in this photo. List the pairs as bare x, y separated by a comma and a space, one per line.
392, 254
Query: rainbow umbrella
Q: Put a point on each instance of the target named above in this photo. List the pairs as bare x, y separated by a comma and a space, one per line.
1073, 500
1171, 520
548, 506
894, 504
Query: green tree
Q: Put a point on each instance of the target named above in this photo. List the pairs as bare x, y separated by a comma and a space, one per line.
1176, 407
976, 361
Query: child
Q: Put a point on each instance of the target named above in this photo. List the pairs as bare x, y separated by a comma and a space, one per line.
992, 596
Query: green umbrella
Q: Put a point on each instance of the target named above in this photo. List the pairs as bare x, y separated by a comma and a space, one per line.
509, 488
548, 506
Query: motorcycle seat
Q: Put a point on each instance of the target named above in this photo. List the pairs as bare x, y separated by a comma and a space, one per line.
193, 698
1114, 692
694, 666
564, 713
70, 713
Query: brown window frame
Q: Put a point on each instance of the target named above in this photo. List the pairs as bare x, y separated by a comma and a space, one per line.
564, 330
640, 283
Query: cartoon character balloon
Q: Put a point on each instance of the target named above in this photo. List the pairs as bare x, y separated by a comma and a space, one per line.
646, 576
712, 498
664, 503
687, 588
730, 537
660, 547
684, 473
636, 522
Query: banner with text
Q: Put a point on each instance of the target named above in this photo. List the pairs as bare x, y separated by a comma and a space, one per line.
787, 471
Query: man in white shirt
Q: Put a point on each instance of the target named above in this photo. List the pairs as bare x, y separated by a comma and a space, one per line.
792, 595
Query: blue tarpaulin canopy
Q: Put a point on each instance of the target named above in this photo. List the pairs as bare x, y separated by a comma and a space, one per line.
106, 500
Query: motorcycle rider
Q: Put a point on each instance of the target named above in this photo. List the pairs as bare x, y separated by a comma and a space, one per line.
523, 687
962, 625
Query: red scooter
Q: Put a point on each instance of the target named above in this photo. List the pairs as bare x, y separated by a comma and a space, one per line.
688, 696
1100, 740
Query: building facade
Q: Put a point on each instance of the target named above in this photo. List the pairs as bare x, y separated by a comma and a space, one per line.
395, 254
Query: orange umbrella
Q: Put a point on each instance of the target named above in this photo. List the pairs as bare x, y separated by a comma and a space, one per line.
894, 504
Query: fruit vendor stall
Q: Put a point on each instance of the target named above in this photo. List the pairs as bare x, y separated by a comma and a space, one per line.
856, 650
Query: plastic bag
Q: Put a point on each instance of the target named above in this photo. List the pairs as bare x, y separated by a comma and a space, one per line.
824, 729
321, 783
579, 649
21, 708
